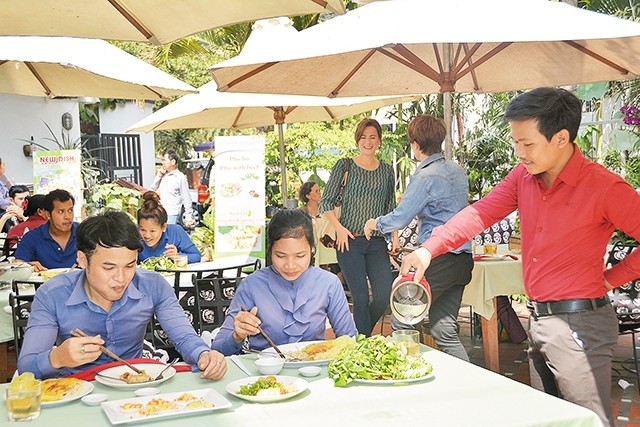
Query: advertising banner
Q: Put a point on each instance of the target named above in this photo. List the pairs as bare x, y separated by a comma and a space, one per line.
58, 169
239, 196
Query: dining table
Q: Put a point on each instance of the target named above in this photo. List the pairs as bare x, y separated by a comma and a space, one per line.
458, 394
492, 277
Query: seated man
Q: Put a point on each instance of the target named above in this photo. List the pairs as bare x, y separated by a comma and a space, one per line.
53, 244
17, 196
112, 303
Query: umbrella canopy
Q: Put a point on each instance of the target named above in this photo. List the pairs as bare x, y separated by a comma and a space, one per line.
212, 109
430, 46
157, 21
71, 67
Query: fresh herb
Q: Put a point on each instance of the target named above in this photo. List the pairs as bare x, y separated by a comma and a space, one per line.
158, 262
375, 358
264, 383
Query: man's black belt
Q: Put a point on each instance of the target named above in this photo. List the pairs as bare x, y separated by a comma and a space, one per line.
566, 306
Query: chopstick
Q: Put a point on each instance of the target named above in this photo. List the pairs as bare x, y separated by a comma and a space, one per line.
78, 333
269, 340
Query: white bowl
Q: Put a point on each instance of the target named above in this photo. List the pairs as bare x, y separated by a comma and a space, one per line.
310, 371
10, 272
94, 399
147, 391
270, 365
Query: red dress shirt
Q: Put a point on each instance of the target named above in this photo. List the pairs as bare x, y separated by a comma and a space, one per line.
565, 229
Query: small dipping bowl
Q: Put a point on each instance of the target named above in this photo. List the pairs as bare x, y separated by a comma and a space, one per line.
147, 391
270, 365
94, 399
309, 371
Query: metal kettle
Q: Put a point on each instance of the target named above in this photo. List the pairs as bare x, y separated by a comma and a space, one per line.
410, 300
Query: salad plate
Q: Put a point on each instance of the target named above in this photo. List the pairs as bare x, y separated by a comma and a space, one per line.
389, 382
301, 385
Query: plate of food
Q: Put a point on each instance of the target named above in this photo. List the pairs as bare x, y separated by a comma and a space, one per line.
56, 391
230, 189
138, 409
52, 272
403, 381
266, 389
124, 377
310, 352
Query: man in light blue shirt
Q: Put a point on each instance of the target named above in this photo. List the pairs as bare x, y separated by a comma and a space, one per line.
438, 189
112, 303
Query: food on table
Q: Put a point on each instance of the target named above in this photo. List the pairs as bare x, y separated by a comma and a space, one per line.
323, 350
267, 386
160, 262
157, 405
133, 378
376, 358
52, 272
55, 389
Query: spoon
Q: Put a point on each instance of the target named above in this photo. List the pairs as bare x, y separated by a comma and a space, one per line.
173, 362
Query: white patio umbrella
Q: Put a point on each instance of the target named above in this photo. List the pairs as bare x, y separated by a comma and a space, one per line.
212, 109
430, 46
72, 67
156, 21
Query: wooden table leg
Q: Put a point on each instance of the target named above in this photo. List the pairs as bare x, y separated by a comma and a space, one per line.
4, 361
490, 340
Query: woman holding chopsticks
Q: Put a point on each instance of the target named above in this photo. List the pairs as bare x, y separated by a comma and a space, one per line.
290, 299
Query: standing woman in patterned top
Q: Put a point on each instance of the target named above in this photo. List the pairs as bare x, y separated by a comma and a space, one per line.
369, 193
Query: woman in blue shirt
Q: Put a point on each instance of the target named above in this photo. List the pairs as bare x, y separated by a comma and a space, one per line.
160, 238
290, 299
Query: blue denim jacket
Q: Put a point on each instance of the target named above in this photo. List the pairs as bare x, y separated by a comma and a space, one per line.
437, 190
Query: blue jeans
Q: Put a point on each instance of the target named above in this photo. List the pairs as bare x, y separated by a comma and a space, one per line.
447, 275
367, 259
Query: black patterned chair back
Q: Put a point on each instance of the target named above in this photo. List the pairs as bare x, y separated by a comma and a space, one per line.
498, 233
626, 298
20, 311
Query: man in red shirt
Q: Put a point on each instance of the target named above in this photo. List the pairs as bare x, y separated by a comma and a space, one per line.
569, 208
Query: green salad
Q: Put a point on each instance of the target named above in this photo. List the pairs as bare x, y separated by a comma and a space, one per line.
263, 383
158, 262
375, 358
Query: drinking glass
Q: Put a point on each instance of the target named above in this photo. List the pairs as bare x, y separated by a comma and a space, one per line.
409, 338
181, 261
23, 400
491, 248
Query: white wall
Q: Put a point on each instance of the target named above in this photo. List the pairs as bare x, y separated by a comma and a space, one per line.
123, 116
23, 117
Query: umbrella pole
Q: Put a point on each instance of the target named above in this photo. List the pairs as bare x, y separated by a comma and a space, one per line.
448, 144
283, 165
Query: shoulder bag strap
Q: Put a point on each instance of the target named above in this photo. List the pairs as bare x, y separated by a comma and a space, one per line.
344, 183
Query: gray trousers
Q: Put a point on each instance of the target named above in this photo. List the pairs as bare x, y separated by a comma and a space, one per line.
447, 275
570, 357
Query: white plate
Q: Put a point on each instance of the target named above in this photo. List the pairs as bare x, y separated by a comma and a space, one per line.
491, 258
118, 416
406, 381
234, 387
150, 368
295, 346
85, 389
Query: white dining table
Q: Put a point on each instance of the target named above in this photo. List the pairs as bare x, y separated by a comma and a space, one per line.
459, 394
491, 278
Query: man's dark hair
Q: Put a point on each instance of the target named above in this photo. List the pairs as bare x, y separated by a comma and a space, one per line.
172, 155
290, 223
109, 229
428, 132
57, 195
554, 109
17, 189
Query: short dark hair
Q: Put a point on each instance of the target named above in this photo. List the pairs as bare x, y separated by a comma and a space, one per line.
428, 132
290, 223
34, 203
109, 229
17, 189
365, 123
304, 191
172, 155
554, 109
152, 208
57, 195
